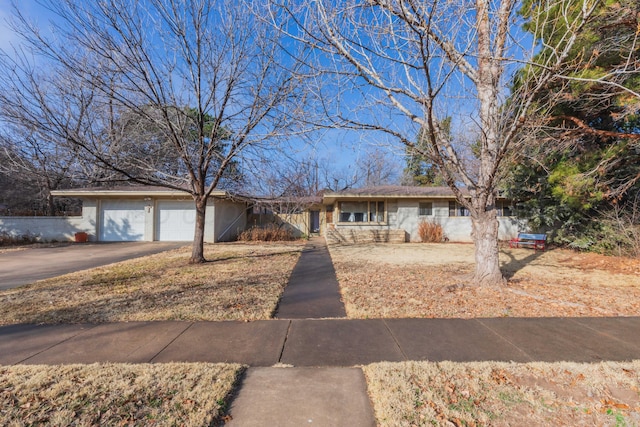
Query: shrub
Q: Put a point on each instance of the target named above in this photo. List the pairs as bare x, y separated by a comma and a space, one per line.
430, 232
8, 239
267, 233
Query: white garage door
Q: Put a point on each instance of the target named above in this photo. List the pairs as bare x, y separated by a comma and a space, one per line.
176, 221
122, 220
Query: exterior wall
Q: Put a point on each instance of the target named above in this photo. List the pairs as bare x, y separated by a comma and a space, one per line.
298, 223
209, 222
223, 221
230, 219
149, 221
46, 229
510, 226
402, 214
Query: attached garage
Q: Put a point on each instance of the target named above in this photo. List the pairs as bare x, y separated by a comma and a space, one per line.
135, 213
176, 220
122, 220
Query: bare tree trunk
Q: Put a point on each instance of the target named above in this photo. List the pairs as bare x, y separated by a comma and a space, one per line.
485, 237
197, 250
51, 206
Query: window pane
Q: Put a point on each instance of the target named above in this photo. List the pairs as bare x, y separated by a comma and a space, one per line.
452, 208
353, 211
372, 212
504, 209
425, 209
380, 211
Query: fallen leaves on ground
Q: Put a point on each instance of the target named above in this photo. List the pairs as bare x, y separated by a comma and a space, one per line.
240, 282
504, 394
392, 283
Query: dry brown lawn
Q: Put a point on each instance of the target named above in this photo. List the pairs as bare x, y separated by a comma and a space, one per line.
505, 394
430, 280
115, 394
242, 281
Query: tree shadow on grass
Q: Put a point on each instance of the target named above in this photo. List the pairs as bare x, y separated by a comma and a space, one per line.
244, 255
513, 265
119, 307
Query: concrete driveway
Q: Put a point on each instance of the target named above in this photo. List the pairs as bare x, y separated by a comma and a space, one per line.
26, 266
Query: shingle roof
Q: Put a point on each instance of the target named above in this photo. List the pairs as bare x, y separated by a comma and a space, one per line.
395, 191
127, 190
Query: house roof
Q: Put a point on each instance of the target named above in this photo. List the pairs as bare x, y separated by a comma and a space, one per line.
379, 192
129, 191
392, 191
302, 200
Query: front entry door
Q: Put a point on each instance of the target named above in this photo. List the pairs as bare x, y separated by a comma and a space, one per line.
314, 222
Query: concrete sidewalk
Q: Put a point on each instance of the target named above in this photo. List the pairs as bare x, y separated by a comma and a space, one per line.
326, 343
334, 392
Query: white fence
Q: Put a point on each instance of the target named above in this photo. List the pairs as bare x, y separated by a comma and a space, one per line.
49, 228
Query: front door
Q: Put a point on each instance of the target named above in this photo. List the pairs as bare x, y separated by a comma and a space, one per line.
314, 222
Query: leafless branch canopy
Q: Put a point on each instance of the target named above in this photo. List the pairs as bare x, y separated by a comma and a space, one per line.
139, 84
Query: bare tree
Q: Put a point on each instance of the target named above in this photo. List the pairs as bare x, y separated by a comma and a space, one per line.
38, 164
207, 74
376, 167
404, 66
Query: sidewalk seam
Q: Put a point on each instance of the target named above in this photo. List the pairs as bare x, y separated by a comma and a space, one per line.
55, 345
395, 340
171, 342
284, 343
531, 359
604, 334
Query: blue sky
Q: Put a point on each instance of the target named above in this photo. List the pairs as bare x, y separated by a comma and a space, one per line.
30, 7
342, 149
6, 35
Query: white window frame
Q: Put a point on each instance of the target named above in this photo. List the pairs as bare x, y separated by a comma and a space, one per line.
376, 212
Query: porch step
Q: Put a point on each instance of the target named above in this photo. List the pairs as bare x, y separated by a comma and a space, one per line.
338, 236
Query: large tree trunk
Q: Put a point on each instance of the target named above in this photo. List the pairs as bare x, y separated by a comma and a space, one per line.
485, 237
197, 250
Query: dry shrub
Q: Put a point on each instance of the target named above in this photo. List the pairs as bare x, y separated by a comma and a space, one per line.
267, 233
8, 239
430, 232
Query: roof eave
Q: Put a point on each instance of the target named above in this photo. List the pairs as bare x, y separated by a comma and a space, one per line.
131, 193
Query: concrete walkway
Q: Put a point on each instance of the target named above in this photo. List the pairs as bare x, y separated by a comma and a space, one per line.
313, 291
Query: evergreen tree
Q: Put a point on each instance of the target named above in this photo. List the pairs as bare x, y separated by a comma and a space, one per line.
420, 170
582, 161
